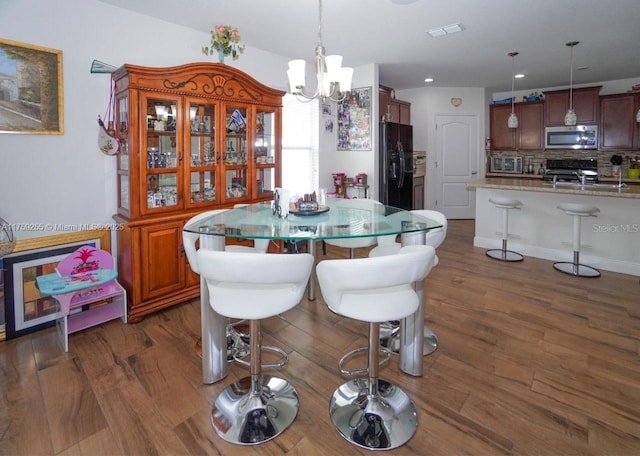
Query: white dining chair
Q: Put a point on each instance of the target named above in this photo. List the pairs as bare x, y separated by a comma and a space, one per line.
368, 208
254, 286
373, 413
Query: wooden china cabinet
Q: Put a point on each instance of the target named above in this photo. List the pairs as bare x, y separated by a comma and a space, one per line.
193, 138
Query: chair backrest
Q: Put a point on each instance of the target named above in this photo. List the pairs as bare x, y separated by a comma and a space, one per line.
436, 236
369, 208
189, 239
375, 289
84, 259
254, 285
259, 245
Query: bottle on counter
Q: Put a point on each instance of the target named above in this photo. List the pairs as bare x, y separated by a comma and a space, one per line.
541, 169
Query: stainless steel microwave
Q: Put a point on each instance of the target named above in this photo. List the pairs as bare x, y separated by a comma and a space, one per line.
574, 137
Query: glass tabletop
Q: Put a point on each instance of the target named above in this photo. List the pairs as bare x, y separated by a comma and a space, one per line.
340, 219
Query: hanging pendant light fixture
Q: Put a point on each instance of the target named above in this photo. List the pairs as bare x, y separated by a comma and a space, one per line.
334, 80
513, 119
570, 117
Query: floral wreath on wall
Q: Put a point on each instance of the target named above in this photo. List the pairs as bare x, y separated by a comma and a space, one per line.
225, 41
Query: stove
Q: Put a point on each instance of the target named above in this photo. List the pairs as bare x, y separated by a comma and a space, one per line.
572, 170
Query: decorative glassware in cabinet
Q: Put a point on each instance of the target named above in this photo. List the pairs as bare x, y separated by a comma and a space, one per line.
123, 134
236, 136
265, 181
162, 190
236, 183
203, 186
265, 138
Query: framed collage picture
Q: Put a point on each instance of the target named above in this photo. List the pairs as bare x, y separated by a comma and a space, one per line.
354, 120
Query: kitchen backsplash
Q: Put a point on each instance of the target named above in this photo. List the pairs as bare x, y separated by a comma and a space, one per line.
538, 157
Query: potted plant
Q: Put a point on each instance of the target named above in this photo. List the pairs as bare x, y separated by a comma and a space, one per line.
633, 172
224, 41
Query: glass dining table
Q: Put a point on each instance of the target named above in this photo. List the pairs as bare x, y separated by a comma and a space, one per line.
336, 220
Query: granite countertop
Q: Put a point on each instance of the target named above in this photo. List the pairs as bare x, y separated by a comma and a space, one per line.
537, 185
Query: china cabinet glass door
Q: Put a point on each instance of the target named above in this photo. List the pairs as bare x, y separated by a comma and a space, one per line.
124, 202
162, 155
264, 152
234, 146
203, 156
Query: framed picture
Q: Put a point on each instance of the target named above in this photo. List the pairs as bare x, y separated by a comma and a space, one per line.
354, 120
25, 309
326, 109
30, 89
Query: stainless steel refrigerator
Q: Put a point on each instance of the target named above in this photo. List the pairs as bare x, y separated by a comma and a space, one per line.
396, 165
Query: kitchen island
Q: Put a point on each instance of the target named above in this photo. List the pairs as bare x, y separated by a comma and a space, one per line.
610, 241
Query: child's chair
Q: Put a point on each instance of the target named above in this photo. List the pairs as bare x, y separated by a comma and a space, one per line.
83, 278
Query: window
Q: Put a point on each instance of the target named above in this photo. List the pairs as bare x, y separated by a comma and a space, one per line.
300, 145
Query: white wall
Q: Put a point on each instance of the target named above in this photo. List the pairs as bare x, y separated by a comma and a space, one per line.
426, 104
64, 178
351, 162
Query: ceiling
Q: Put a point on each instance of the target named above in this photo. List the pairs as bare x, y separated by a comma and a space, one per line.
393, 34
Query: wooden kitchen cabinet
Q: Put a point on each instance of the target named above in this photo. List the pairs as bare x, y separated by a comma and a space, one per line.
192, 138
618, 127
530, 132
398, 110
586, 105
418, 193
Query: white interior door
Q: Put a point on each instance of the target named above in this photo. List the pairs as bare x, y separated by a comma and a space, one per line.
456, 164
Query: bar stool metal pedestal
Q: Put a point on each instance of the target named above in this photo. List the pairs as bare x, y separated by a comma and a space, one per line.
504, 254
577, 211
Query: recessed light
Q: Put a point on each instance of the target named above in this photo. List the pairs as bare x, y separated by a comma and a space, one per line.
428, 79
519, 76
445, 30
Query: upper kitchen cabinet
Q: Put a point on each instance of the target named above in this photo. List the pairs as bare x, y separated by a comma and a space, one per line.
618, 127
585, 104
392, 109
528, 135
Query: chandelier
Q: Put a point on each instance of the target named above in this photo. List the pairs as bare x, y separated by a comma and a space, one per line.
334, 80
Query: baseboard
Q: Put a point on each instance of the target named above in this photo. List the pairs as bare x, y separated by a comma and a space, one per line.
606, 264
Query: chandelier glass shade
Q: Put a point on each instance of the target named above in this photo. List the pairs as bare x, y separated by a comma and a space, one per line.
570, 117
333, 80
513, 118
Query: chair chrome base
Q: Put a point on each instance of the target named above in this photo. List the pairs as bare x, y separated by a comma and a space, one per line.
504, 255
579, 270
390, 338
381, 422
243, 417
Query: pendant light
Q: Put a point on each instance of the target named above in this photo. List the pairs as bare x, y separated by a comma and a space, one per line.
513, 119
570, 117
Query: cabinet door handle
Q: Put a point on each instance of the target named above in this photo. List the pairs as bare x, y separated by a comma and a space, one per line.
179, 156
473, 173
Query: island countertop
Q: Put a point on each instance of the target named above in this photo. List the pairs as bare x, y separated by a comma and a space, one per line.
536, 185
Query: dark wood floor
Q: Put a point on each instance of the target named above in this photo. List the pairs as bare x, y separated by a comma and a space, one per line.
531, 362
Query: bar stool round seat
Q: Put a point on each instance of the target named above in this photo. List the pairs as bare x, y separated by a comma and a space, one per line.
574, 268
368, 412
387, 245
254, 286
504, 254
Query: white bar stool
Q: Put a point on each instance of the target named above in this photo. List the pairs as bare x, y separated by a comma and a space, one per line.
370, 412
503, 254
577, 211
